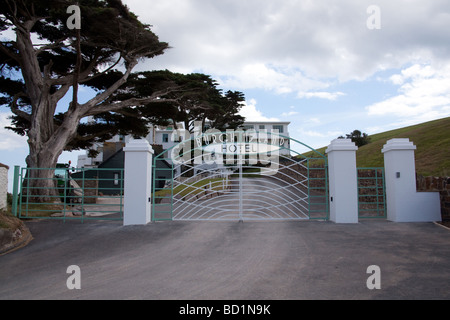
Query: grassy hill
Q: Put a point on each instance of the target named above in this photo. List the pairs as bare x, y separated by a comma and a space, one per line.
433, 147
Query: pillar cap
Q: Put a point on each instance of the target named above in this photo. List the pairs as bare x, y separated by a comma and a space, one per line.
138, 145
341, 145
398, 144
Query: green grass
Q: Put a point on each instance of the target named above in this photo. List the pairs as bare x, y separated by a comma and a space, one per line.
8, 221
6, 217
248, 173
193, 189
433, 147
41, 210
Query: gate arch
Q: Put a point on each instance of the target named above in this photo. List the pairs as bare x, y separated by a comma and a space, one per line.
239, 175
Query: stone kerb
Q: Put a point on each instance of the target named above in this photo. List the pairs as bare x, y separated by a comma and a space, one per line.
404, 203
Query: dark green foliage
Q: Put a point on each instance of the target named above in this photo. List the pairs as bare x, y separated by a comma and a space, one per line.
197, 98
35, 76
360, 139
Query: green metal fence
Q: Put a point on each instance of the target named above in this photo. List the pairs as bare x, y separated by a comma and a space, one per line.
371, 193
68, 193
318, 191
162, 188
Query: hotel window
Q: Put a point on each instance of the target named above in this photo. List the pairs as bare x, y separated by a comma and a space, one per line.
165, 138
280, 128
262, 127
116, 179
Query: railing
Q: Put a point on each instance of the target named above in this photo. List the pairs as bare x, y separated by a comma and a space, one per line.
235, 191
371, 193
68, 193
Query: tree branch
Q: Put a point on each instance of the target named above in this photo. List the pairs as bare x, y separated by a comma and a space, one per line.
48, 70
57, 44
84, 75
156, 97
133, 102
61, 92
104, 95
86, 79
76, 72
15, 108
10, 54
92, 136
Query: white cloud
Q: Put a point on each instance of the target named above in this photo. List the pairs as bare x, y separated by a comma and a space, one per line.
321, 95
294, 46
396, 79
416, 71
9, 140
275, 78
251, 113
424, 94
313, 50
318, 134
314, 121
289, 114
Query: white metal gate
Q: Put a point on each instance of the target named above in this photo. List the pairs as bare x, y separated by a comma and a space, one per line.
239, 179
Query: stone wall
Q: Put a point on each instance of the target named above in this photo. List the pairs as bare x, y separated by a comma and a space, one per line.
3, 185
441, 185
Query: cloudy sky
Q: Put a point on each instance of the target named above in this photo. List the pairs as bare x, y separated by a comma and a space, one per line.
327, 66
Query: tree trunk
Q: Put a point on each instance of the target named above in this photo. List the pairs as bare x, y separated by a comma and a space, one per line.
40, 182
46, 144
40, 185
47, 139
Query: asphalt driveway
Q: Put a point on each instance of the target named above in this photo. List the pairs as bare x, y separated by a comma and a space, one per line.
230, 261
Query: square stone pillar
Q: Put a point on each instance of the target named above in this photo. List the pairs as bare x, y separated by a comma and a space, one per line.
343, 181
404, 203
138, 182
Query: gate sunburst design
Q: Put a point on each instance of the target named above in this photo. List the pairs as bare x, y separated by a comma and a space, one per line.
239, 186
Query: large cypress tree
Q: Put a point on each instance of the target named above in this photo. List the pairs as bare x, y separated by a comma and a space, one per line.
46, 59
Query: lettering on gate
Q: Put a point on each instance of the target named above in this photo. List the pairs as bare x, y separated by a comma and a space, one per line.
229, 148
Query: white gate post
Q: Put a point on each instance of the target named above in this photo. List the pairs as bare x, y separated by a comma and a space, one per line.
404, 203
138, 182
343, 181
3, 186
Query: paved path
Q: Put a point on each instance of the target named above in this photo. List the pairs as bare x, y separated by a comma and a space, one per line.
230, 260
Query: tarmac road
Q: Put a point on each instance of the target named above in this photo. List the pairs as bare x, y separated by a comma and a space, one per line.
230, 261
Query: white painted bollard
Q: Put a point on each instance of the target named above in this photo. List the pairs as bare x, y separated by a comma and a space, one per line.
404, 203
343, 181
138, 182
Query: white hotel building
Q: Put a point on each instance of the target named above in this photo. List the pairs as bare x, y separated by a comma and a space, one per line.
163, 136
